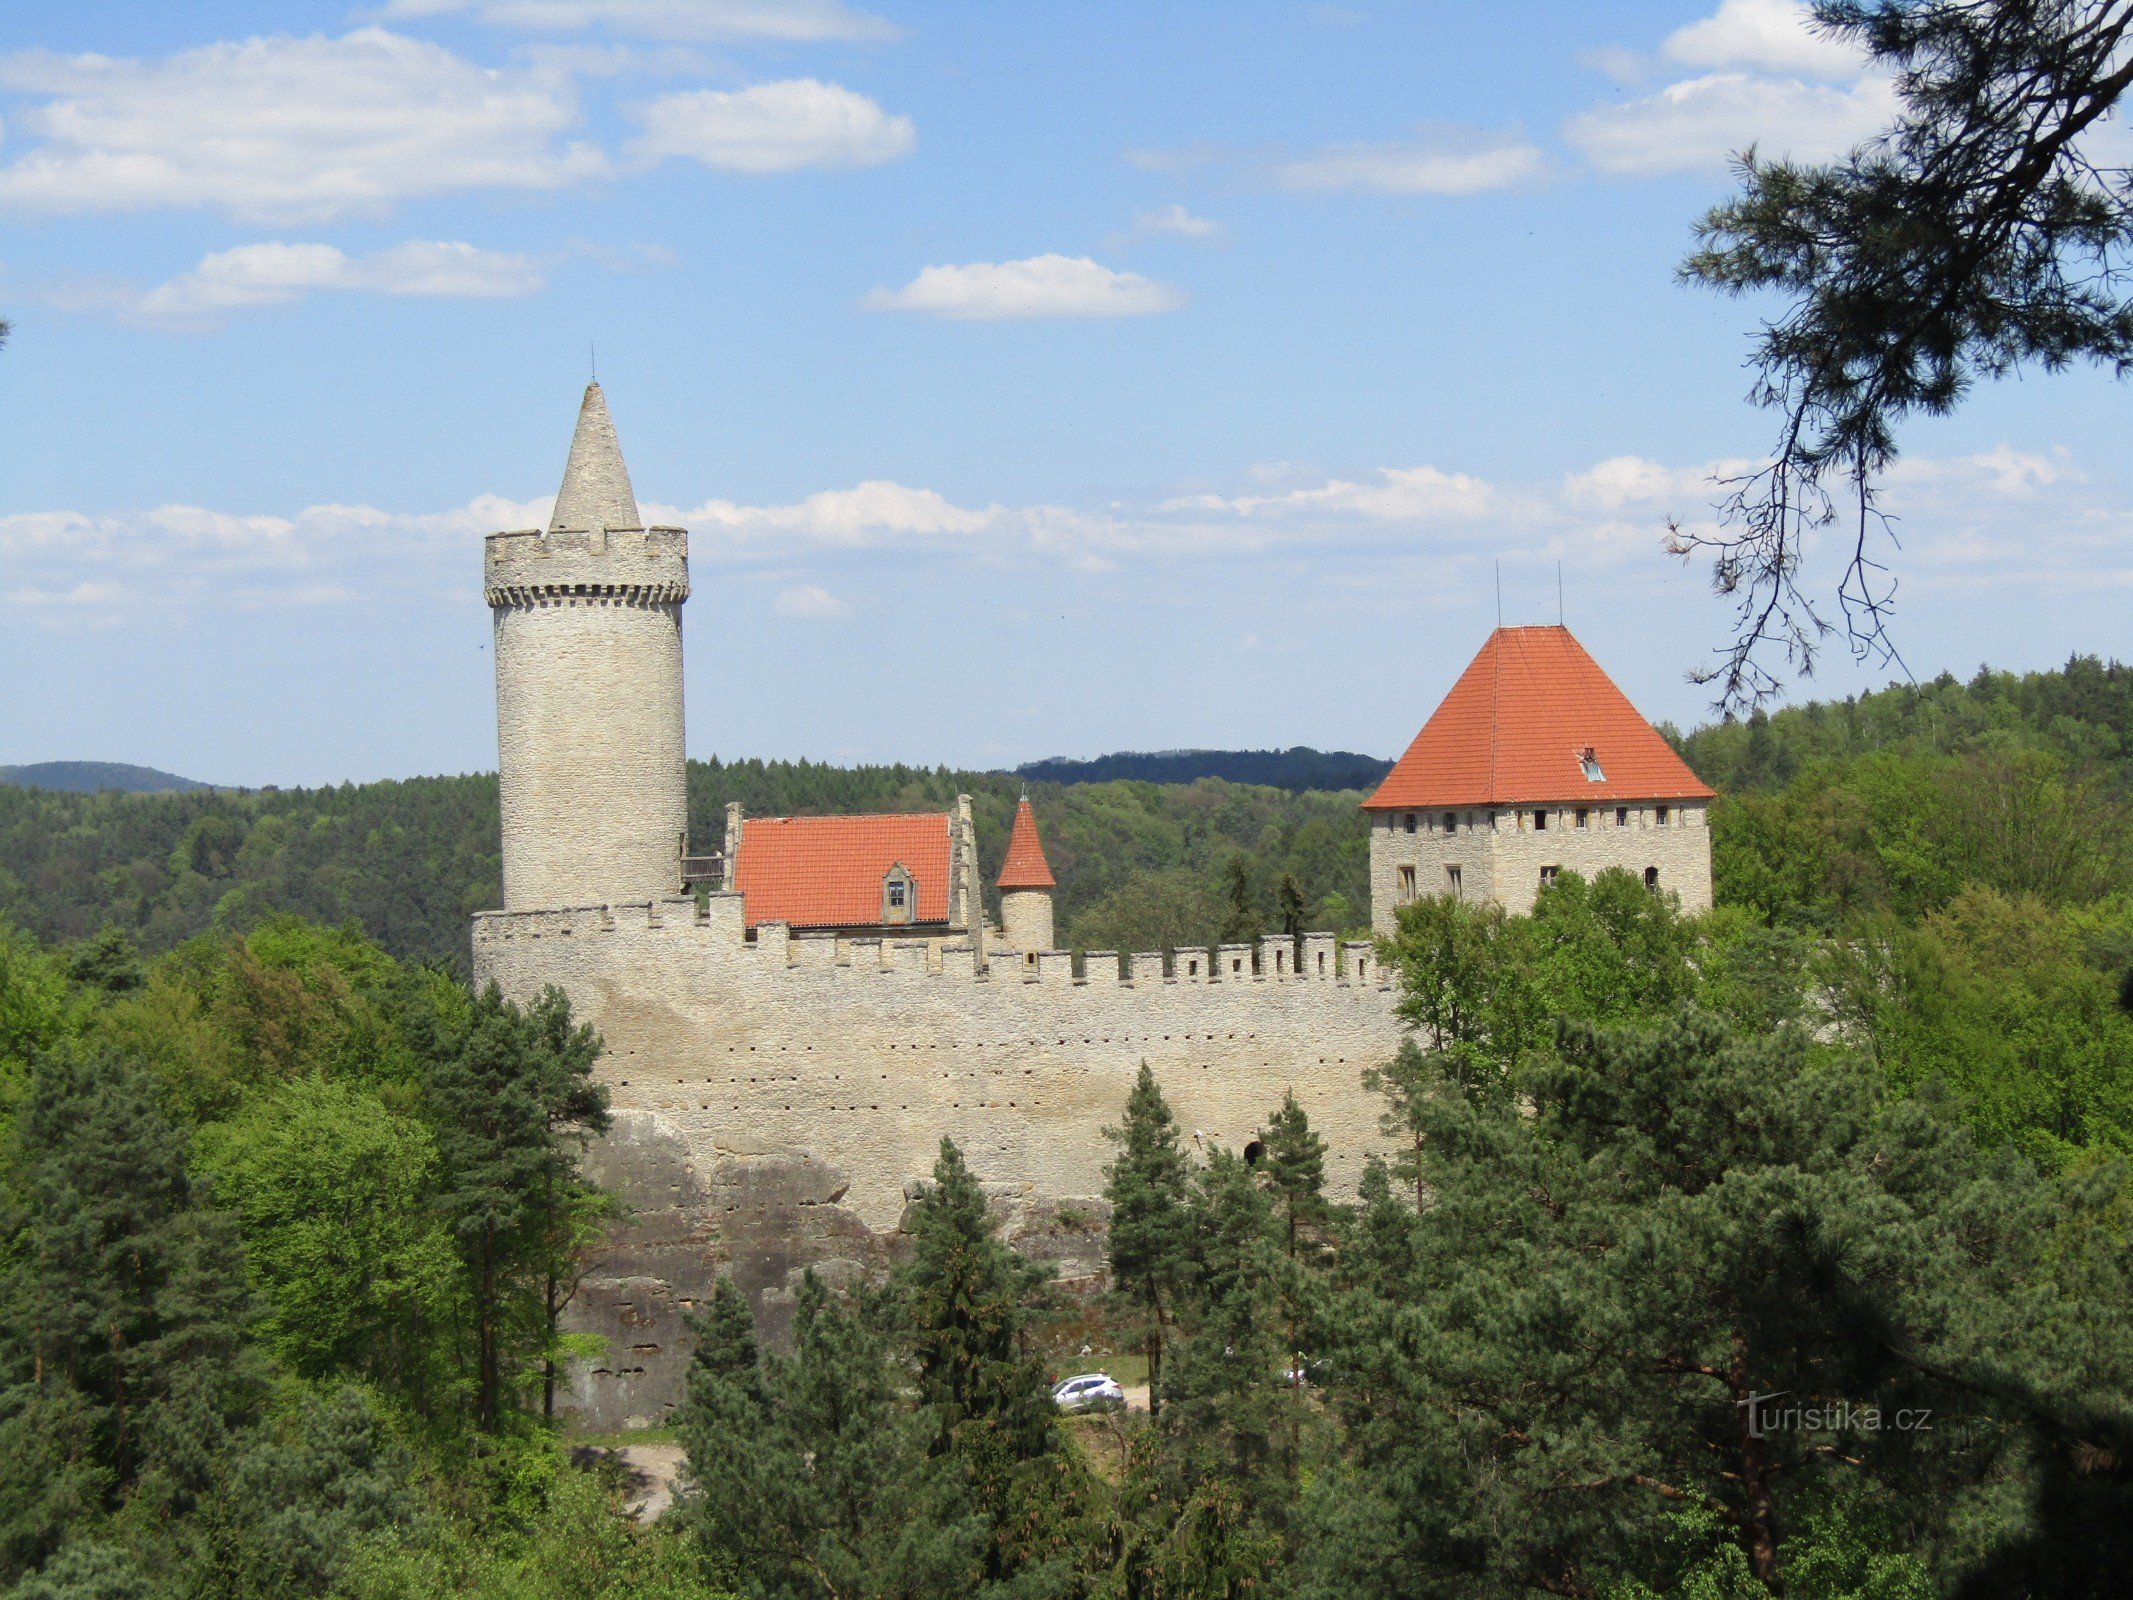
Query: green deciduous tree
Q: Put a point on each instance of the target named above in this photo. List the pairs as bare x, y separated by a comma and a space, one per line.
357, 1270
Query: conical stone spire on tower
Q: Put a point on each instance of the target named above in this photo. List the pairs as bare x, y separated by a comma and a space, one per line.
587, 628
596, 489
1026, 885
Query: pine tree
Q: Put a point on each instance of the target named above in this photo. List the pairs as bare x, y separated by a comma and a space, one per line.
1149, 1231
123, 1367
962, 1303
1666, 1228
1294, 1166
962, 1299
811, 1478
513, 1100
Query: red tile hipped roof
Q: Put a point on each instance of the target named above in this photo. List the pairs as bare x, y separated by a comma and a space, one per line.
1025, 866
1515, 727
826, 872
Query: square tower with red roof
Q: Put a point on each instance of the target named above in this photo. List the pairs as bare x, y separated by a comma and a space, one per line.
1535, 763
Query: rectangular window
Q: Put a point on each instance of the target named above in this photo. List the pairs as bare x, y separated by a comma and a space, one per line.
1407, 885
1540, 822
1452, 885
1410, 822
1547, 877
1583, 819
1451, 822
1658, 816
896, 897
1621, 816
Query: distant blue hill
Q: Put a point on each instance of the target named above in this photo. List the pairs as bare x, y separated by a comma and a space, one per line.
1297, 769
87, 777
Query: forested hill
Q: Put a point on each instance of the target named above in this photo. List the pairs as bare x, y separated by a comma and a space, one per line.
1298, 768
90, 776
1140, 865
1892, 800
2081, 714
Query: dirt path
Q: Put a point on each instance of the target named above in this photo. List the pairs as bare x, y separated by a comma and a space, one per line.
653, 1469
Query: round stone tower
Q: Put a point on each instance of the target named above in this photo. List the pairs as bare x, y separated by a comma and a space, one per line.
588, 689
1026, 885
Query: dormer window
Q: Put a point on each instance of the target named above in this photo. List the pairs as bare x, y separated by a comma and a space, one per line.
899, 896
1589, 762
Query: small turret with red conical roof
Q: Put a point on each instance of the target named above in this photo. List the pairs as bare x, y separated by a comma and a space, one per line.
1026, 885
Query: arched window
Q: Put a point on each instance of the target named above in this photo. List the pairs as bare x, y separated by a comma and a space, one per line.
1651, 878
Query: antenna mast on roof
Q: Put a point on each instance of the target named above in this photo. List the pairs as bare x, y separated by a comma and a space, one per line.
1559, 594
1499, 591
592, 353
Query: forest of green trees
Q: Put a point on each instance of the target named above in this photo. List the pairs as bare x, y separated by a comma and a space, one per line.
1778, 1249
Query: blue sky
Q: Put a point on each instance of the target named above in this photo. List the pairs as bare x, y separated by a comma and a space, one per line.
1035, 379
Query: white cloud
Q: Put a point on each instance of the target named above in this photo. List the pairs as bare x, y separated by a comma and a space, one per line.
1447, 161
1703, 122
1622, 481
284, 129
2030, 520
276, 273
1175, 221
872, 513
1404, 494
809, 600
1041, 286
797, 21
773, 127
1772, 35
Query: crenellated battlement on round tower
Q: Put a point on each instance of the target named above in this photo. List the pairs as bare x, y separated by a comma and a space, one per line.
640, 566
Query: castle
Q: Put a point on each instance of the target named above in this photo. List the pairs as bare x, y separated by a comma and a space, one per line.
794, 1021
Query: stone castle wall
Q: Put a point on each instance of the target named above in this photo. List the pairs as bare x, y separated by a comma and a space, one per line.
591, 777
777, 1098
1500, 853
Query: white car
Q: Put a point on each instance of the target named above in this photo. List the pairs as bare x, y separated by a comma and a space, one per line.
1091, 1391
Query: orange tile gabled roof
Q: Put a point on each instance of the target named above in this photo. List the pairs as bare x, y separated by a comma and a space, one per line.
826, 872
1515, 728
1025, 866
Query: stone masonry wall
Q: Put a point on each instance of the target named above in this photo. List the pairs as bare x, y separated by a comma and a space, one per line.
587, 631
775, 1109
1503, 860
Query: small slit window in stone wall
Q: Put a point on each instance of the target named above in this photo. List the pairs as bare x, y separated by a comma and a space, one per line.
1547, 876
1540, 822
1451, 822
1453, 884
1651, 878
1659, 815
1410, 822
1407, 885
1621, 816
1584, 819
